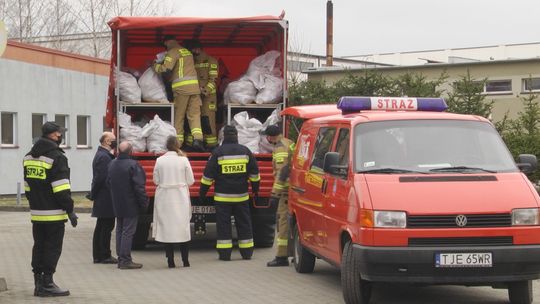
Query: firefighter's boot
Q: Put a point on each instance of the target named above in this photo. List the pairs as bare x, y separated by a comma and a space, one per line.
38, 281
50, 289
278, 261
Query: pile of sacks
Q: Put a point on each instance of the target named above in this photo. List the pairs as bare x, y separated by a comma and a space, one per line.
261, 83
135, 87
250, 131
152, 137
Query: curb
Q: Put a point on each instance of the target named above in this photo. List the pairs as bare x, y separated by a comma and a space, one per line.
26, 209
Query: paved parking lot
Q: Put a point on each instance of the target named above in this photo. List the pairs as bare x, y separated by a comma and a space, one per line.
206, 281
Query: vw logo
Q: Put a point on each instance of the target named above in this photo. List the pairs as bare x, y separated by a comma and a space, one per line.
461, 220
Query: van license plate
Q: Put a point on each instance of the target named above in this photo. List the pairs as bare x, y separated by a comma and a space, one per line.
203, 209
477, 259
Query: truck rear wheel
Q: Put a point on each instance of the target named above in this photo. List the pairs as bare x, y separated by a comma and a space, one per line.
355, 290
304, 261
520, 292
141, 236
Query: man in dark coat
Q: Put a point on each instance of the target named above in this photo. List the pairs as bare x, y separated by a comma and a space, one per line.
126, 179
101, 195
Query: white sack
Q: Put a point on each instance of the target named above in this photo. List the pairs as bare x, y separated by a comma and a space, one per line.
133, 134
129, 88
272, 91
262, 66
152, 87
241, 91
124, 120
156, 133
248, 131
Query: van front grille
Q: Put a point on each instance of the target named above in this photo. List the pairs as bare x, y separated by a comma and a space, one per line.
451, 221
462, 241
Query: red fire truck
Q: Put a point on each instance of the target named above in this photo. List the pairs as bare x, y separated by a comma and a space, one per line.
234, 42
395, 190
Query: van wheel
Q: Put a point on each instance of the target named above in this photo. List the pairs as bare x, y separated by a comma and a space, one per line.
304, 261
520, 292
355, 290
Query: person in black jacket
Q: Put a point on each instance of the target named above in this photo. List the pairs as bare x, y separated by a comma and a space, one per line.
231, 166
101, 195
47, 187
126, 179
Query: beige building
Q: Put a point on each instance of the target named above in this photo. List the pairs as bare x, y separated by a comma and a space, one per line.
508, 80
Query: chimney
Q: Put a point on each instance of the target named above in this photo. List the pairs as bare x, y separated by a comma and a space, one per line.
329, 33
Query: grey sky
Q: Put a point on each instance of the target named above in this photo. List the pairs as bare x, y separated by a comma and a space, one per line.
381, 26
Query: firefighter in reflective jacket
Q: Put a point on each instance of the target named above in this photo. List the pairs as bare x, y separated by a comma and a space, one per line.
207, 71
47, 187
281, 156
186, 90
230, 167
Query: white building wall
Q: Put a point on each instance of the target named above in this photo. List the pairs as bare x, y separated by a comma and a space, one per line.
30, 88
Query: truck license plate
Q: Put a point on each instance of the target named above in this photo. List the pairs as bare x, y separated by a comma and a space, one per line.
477, 259
203, 209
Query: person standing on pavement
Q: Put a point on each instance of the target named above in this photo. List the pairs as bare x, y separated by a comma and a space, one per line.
172, 205
126, 180
281, 156
186, 89
230, 167
207, 71
47, 187
101, 195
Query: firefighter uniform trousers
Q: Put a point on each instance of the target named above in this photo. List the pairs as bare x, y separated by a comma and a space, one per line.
229, 168
189, 105
48, 240
242, 219
207, 71
281, 157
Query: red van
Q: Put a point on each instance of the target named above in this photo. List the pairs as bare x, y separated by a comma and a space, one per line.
394, 189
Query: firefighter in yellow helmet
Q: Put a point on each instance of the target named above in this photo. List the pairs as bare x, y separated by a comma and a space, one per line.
281, 157
186, 89
207, 71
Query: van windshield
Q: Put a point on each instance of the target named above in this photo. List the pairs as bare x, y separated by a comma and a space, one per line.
430, 146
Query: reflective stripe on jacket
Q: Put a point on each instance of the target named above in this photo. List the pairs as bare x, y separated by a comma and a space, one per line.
179, 60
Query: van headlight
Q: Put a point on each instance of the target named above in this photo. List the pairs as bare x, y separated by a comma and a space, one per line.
525, 217
390, 219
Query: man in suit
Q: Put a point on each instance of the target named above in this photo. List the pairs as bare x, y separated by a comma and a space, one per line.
101, 195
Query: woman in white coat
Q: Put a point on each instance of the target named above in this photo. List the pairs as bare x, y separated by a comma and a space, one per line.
172, 205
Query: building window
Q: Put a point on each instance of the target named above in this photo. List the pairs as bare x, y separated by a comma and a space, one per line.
498, 86
63, 120
37, 122
83, 131
8, 126
531, 85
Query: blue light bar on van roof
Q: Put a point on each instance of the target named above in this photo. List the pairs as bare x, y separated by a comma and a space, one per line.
355, 104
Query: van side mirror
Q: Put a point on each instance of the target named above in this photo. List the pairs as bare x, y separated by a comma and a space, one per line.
331, 165
527, 163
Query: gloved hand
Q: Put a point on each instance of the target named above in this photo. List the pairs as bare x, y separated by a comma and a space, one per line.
204, 91
73, 219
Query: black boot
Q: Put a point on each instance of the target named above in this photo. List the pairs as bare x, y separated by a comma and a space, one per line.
184, 250
169, 253
278, 261
198, 145
50, 289
225, 254
38, 281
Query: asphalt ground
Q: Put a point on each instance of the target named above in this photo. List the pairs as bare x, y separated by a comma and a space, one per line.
208, 280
